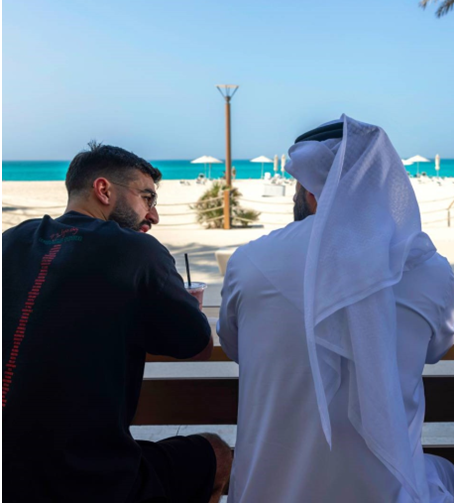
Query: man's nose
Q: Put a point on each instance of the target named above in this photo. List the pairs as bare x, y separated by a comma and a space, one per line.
152, 215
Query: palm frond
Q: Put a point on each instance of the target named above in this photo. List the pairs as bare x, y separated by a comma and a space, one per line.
443, 9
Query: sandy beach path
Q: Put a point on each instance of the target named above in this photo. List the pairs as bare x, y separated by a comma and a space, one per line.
180, 234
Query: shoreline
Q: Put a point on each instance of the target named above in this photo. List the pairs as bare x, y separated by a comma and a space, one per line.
238, 178
185, 169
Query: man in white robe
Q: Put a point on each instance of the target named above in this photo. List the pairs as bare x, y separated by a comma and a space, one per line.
331, 320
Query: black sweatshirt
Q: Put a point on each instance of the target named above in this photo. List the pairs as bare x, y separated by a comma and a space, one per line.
83, 300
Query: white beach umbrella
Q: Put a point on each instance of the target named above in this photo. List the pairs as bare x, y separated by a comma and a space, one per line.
416, 159
264, 160
206, 159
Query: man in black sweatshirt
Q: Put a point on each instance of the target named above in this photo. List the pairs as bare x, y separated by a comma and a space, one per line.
85, 296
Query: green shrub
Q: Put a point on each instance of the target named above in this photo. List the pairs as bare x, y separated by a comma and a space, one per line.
209, 211
247, 216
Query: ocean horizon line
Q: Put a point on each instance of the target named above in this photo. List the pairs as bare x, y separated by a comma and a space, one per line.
179, 159
178, 169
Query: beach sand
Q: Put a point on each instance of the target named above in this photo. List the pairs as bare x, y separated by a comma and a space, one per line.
180, 234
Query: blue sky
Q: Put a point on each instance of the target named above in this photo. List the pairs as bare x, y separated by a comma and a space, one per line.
141, 74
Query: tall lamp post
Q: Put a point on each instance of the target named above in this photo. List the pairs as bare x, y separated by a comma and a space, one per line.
227, 91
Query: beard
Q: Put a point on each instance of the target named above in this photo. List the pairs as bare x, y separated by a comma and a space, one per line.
125, 216
301, 209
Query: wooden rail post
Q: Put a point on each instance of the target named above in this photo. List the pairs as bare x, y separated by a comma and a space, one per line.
226, 209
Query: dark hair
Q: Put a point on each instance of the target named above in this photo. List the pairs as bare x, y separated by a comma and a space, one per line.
113, 163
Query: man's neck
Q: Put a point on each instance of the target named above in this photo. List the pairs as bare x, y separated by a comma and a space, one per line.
86, 209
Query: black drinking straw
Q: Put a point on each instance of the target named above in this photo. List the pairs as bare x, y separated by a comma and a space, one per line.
188, 270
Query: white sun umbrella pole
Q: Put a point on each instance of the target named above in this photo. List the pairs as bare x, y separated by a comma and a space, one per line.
213, 161
206, 159
263, 159
417, 159
407, 163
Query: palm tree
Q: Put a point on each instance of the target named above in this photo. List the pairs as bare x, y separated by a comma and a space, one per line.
444, 7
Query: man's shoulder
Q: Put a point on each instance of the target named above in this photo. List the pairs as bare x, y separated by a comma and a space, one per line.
280, 248
110, 232
141, 240
429, 284
23, 228
280, 238
145, 247
137, 253
440, 272
436, 269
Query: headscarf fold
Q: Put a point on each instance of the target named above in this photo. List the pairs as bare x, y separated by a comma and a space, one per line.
366, 233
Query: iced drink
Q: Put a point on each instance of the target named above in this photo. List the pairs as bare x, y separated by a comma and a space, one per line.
197, 290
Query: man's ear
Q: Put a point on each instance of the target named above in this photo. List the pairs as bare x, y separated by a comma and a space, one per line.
311, 201
102, 191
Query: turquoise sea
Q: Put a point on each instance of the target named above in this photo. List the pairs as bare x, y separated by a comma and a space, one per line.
177, 170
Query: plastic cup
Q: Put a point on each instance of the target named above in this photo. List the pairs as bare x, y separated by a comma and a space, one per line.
196, 289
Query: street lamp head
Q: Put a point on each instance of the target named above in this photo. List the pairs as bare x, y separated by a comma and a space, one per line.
227, 90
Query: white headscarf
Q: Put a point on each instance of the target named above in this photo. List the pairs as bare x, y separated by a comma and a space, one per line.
366, 233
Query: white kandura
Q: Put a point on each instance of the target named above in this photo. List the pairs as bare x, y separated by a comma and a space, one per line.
331, 346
